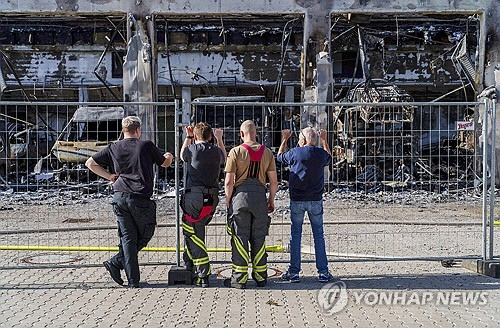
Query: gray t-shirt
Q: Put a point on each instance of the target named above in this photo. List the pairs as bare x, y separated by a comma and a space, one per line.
203, 164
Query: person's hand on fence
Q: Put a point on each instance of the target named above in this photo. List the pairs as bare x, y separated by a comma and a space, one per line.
323, 134
218, 133
285, 134
189, 131
168, 156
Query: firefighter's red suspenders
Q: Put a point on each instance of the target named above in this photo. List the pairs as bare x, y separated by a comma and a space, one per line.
255, 158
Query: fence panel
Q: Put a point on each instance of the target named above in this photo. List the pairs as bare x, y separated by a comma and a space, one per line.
405, 181
53, 210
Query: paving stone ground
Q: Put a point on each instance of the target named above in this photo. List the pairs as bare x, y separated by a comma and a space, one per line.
86, 297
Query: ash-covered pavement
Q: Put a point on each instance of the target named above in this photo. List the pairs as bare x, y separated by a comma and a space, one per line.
86, 297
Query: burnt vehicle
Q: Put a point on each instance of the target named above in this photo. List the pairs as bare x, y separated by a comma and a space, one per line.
22, 145
29, 145
89, 130
374, 139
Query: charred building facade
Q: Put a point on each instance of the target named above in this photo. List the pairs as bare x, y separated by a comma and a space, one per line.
314, 51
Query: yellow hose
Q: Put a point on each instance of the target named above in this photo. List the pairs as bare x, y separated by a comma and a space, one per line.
272, 249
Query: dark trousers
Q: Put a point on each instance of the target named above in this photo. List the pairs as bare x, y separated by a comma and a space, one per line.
136, 217
195, 255
248, 223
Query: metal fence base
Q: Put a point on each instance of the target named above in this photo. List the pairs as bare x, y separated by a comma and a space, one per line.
179, 275
490, 268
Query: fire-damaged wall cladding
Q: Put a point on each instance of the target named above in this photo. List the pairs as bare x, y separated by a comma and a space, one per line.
60, 55
229, 56
55, 57
416, 52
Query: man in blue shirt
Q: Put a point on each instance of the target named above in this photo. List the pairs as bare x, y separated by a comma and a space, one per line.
306, 184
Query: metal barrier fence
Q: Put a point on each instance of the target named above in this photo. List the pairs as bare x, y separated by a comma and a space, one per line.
53, 211
406, 180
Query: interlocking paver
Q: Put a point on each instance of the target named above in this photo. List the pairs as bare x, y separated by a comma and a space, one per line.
87, 298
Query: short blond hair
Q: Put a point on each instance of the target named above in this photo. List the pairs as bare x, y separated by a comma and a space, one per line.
130, 124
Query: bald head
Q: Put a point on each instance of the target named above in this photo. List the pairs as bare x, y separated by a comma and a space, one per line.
248, 127
248, 131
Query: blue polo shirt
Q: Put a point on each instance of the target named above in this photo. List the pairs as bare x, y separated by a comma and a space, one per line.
307, 179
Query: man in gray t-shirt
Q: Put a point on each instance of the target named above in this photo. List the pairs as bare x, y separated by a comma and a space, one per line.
203, 161
201, 195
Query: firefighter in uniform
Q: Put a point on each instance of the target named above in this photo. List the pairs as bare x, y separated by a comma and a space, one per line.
201, 195
248, 221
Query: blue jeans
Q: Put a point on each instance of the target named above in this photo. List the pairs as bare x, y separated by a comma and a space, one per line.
314, 211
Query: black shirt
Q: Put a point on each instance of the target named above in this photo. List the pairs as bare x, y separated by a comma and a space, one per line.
204, 160
132, 160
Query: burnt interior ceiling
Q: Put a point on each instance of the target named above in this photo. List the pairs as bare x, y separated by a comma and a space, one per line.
229, 56
54, 57
414, 52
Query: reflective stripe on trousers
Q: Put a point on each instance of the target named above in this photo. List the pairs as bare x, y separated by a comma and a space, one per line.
195, 255
247, 224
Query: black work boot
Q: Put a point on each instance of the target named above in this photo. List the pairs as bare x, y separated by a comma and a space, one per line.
262, 283
201, 282
229, 284
114, 272
133, 285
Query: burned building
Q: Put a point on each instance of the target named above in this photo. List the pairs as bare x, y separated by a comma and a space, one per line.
275, 51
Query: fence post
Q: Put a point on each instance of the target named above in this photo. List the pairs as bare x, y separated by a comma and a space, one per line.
177, 199
492, 175
485, 178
